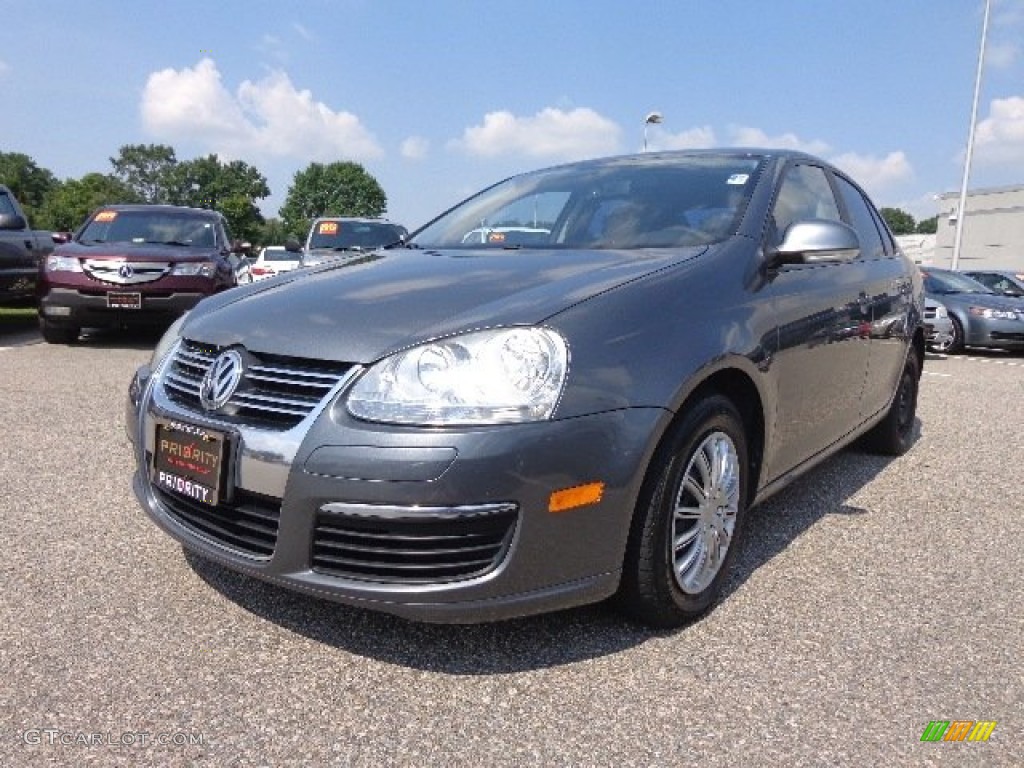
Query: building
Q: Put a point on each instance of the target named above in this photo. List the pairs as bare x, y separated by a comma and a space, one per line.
993, 232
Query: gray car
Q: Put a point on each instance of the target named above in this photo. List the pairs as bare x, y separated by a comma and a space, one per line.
980, 317
467, 431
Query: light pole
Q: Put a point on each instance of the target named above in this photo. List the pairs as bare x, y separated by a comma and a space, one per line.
653, 118
961, 214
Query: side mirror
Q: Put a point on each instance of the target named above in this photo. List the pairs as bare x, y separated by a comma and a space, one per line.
61, 237
12, 221
815, 241
292, 245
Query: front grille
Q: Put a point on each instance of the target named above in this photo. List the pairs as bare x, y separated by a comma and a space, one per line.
412, 549
275, 391
123, 272
248, 524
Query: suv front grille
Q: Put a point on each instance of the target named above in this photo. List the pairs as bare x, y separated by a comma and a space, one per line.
123, 272
412, 548
275, 391
248, 524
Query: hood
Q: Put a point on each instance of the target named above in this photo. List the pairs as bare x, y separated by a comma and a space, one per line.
366, 307
133, 252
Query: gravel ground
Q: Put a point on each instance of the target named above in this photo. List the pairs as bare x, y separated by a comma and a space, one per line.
868, 599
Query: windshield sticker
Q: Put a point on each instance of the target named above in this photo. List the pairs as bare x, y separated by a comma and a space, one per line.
106, 215
738, 178
328, 228
496, 237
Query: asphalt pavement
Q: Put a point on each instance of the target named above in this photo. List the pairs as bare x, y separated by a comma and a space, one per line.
869, 598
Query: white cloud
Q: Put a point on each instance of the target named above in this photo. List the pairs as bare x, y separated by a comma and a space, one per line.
4, 67
999, 138
551, 133
746, 136
875, 174
1001, 55
702, 137
269, 117
302, 31
415, 148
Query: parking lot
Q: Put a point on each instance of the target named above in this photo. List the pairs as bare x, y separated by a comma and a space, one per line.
869, 598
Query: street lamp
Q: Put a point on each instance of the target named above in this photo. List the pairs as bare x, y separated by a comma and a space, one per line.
653, 118
961, 216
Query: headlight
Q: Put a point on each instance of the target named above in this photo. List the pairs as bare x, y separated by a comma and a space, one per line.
167, 341
192, 268
56, 263
997, 314
940, 311
500, 376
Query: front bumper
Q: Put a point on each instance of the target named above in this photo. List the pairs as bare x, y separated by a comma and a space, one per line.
81, 308
995, 332
419, 500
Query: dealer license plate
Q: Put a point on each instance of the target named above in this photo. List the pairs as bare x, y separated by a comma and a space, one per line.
189, 461
121, 300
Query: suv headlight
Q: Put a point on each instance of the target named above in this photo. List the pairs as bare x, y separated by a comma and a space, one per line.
499, 376
55, 263
193, 268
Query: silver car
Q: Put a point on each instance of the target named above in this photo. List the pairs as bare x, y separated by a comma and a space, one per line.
938, 327
463, 430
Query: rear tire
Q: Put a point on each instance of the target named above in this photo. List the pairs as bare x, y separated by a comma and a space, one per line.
688, 518
58, 334
894, 434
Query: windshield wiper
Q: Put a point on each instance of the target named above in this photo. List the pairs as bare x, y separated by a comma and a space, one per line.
356, 248
168, 242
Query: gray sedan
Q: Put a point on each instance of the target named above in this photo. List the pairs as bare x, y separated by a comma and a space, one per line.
980, 317
467, 429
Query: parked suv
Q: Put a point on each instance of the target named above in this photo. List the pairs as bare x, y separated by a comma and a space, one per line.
134, 265
336, 237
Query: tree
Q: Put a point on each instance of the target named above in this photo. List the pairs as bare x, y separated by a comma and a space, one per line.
928, 226
146, 169
335, 189
272, 232
70, 203
899, 221
231, 188
29, 183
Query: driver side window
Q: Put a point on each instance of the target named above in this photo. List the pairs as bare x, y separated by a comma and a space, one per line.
804, 194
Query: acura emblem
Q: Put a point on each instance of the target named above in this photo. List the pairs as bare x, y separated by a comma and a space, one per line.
221, 380
125, 271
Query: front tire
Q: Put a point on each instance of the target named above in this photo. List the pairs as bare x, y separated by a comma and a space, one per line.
688, 518
58, 334
955, 343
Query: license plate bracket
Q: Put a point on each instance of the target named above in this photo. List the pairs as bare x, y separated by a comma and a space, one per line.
124, 300
190, 461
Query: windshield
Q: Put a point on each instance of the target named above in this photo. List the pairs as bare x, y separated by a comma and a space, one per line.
182, 229
951, 282
335, 234
635, 203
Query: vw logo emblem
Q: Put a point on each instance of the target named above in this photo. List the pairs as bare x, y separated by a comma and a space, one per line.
221, 380
125, 271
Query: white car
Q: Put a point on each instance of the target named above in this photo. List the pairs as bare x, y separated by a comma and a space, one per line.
272, 260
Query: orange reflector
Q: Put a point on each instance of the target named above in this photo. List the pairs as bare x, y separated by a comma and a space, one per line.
580, 496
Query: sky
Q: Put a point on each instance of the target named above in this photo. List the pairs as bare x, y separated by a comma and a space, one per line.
439, 98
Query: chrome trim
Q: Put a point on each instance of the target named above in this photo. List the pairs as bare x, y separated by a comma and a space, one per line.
124, 272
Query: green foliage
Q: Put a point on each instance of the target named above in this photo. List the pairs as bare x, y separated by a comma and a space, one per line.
71, 202
230, 188
29, 183
335, 189
928, 226
272, 232
146, 170
899, 221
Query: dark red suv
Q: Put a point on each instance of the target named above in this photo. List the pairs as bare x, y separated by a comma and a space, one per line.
136, 265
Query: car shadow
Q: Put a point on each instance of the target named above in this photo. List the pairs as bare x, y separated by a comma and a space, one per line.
554, 639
